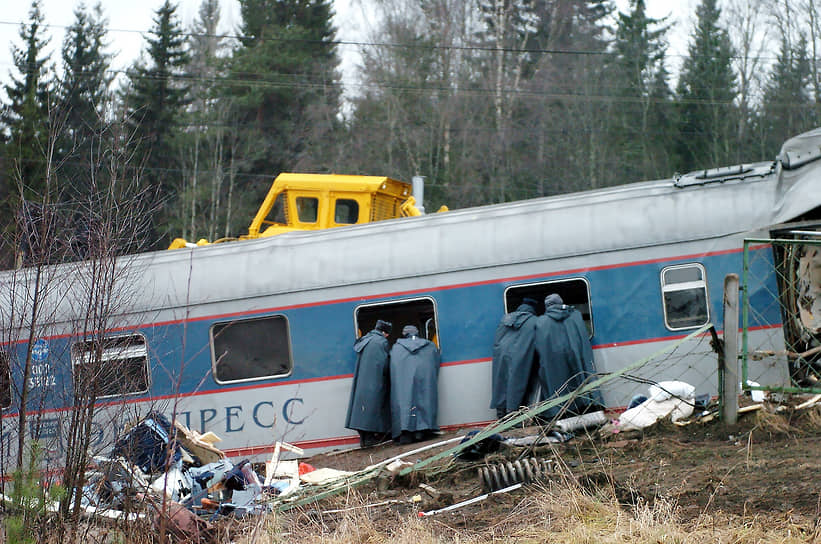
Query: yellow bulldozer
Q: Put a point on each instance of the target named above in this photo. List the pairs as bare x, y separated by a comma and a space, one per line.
322, 201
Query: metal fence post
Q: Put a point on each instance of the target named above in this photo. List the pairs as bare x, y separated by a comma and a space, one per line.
730, 384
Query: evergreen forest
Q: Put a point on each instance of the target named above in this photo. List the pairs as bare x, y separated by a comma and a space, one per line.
490, 100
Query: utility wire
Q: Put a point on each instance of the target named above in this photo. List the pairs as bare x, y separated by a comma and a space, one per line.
431, 47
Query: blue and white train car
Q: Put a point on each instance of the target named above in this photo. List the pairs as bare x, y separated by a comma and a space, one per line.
252, 340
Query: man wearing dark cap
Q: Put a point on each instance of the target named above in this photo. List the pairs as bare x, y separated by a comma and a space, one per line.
514, 364
414, 387
565, 355
369, 407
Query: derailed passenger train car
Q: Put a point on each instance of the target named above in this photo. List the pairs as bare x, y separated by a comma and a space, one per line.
252, 339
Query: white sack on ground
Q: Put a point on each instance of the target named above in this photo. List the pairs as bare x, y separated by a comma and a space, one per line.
671, 398
665, 390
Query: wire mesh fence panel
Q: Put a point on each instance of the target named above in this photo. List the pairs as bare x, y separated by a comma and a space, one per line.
781, 315
692, 360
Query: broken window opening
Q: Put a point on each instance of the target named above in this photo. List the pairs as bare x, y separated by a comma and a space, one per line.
684, 296
574, 292
114, 366
251, 349
420, 312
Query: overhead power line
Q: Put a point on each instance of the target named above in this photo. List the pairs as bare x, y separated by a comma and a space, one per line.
432, 47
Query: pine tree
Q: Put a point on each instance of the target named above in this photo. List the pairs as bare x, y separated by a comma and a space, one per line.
285, 86
705, 94
642, 120
787, 105
200, 203
28, 114
83, 94
155, 100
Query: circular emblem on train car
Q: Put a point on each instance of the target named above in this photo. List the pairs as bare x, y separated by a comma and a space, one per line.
39, 351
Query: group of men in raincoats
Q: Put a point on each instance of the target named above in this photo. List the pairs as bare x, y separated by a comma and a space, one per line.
537, 357
395, 389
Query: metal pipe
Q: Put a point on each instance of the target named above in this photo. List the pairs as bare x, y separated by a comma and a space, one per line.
469, 501
419, 192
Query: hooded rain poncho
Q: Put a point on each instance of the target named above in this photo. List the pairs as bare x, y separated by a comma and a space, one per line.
369, 405
414, 371
565, 355
514, 358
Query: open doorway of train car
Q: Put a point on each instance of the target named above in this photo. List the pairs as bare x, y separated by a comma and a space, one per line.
797, 257
420, 312
574, 292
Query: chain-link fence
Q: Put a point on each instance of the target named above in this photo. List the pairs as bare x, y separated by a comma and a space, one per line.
692, 360
781, 315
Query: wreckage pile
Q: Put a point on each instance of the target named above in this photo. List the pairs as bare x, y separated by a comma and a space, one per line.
156, 463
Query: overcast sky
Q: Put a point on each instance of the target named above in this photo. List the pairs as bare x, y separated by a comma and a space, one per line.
129, 20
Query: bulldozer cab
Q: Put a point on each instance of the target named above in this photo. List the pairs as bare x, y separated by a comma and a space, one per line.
322, 201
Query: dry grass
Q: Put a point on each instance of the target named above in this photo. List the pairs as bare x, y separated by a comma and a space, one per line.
559, 512
812, 419
771, 424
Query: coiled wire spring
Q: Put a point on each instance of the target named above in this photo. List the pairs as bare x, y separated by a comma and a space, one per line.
500, 475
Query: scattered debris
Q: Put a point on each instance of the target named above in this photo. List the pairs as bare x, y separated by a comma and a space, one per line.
473, 452
180, 479
501, 475
432, 492
396, 466
177, 473
671, 398
584, 421
322, 476
184, 525
469, 501
809, 403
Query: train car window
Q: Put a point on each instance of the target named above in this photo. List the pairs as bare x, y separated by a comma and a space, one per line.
5, 380
420, 312
251, 349
307, 209
684, 291
115, 366
574, 292
346, 211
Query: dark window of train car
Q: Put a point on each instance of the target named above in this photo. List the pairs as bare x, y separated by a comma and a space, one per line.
112, 366
307, 209
574, 292
251, 349
684, 291
420, 312
5, 380
346, 211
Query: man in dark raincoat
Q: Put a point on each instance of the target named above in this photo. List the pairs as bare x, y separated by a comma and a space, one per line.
514, 358
565, 355
369, 406
414, 387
